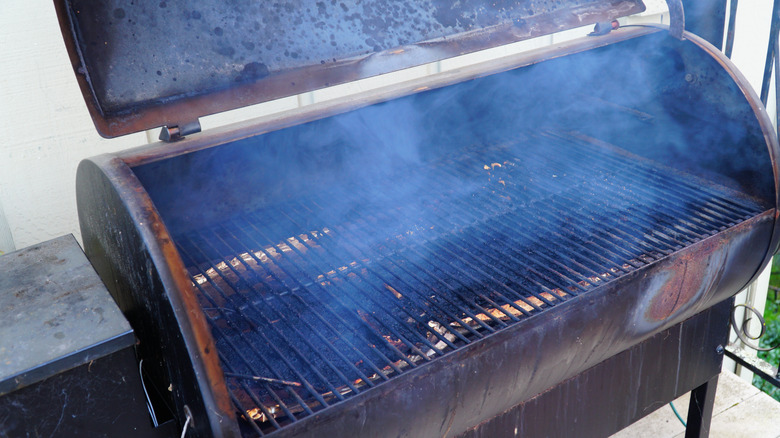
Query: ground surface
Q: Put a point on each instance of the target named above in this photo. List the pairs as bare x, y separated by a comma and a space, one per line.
741, 411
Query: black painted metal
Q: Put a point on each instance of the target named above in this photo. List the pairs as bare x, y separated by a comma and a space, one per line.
616, 393
137, 269
700, 409
102, 399
67, 362
772, 377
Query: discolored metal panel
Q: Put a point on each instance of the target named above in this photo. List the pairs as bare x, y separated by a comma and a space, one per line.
133, 56
55, 314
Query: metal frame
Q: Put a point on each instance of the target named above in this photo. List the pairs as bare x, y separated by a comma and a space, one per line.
755, 365
732, 26
772, 63
742, 355
615, 393
700, 409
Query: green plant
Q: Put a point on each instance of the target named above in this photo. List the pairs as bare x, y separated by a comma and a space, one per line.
772, 335
771, 338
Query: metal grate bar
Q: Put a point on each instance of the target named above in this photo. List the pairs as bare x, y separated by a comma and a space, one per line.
711, 214
340, 301
520, 309
248, 420
560, 210
288, 310
290, 332
685, 189
317, 265
464, 266
562, 203
508, 236
377, 284
301, 273
428, 279
542, 197
310, 290
252, 322
320, 318
468, 247
627, 227
586, 255
224, 338
395, 274
479, 236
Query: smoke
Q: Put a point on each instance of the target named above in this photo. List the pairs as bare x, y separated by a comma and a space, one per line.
405, 227
403, 176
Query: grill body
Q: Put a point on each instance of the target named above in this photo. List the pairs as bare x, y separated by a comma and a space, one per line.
422, 259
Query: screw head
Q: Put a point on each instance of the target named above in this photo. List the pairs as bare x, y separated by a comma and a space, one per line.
719, 349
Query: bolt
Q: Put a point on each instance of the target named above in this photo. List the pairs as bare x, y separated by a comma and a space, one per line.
719, 349
689, 77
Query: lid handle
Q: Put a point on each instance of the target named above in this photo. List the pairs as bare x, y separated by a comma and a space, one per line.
676, 18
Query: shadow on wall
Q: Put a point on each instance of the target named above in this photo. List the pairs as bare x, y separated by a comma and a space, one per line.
6, 241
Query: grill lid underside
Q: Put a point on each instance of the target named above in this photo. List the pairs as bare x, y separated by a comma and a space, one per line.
142, 65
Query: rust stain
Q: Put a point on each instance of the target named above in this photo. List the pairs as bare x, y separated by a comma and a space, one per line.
676, 292
688, 277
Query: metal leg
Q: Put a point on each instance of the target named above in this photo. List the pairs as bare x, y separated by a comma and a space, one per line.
700, 409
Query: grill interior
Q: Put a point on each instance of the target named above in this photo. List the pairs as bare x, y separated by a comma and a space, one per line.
321, 297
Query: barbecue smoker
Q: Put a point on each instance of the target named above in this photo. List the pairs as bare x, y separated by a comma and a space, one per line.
542, 245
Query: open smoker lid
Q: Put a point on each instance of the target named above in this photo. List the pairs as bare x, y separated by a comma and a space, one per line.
142, 65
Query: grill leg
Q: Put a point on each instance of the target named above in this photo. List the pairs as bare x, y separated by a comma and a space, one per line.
700, 409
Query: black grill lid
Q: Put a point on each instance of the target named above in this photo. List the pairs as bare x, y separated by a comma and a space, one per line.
146, 64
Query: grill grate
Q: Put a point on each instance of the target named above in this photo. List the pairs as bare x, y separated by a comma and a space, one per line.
316, 300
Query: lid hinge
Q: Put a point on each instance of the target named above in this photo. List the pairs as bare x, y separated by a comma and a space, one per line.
177, 132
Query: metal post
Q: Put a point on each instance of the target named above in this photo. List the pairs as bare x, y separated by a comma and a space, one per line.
700, 409
770, 51
676, 18
732, 26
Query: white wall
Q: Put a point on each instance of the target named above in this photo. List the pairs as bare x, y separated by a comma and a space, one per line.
46, 129
750, 43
